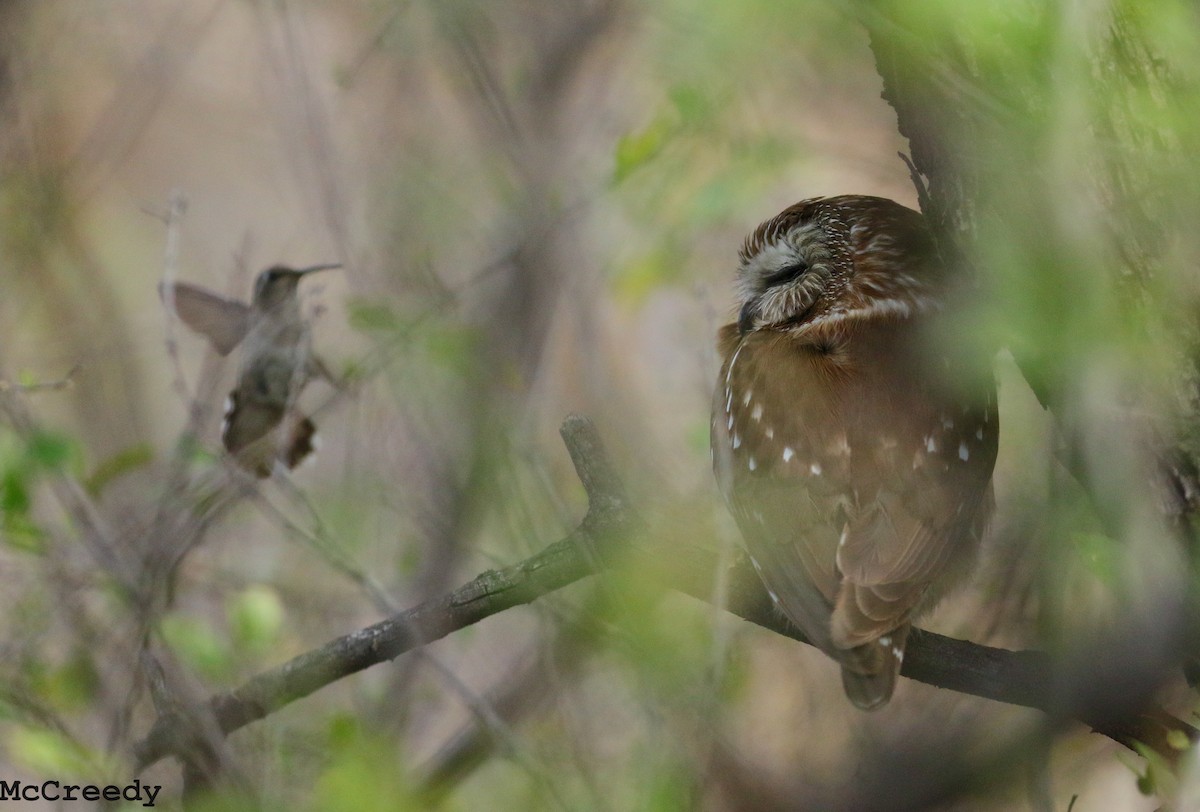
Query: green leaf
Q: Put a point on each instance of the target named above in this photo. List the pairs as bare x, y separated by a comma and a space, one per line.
50, 450
1178, 740
20, 533
255, 618
699, 437
694, 105
452, 347
119, 464
71, 685
644, 275
635, 150
1099, 554
14, 492
47, 752
372, 317
360, 774
197, 643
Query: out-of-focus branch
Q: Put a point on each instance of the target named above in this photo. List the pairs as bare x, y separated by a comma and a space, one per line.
607, 537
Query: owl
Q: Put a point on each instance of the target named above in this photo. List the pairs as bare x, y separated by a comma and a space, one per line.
853, 443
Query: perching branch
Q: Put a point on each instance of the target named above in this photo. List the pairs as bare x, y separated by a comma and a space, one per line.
608, 537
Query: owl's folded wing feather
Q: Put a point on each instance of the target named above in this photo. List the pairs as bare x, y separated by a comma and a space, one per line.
782, 464
919, 514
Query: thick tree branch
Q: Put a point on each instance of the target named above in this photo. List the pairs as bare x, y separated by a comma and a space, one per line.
607, 537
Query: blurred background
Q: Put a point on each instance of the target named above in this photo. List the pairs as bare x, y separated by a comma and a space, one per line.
538, 207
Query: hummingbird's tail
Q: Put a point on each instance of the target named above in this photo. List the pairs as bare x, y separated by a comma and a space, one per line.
256, 434
301, 443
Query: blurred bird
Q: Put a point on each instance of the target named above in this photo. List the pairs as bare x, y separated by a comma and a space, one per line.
261, 422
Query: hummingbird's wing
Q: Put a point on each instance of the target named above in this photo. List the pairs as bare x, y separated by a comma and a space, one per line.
222, 321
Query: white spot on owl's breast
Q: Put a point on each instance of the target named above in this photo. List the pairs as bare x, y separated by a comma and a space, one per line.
931, 444
815, 469
752, 463
756, 415
963, 453
788, 453
737, 441
746, 397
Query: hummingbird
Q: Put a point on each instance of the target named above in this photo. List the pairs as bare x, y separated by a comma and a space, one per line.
261, 422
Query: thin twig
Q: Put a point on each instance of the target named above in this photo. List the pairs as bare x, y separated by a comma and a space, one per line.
65, 382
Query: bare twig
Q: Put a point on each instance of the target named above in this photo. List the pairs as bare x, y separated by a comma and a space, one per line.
65, 382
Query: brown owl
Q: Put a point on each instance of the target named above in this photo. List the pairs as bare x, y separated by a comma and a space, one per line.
854, 450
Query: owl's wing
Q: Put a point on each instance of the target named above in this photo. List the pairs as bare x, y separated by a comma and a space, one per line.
852, 502
222, 321
921, 509
782, 463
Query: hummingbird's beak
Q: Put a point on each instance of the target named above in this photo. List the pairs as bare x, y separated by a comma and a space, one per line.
315, 268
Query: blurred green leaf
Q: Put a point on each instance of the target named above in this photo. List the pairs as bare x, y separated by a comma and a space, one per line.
1159, 777
453, 347
50, 450
635, 150
19, 532
71, 685
47, 752
343, 730
672, 790
123, 462
14, 491
642, 276
255, 617
372, 317
699, 437
1100, 554
196, 642
695, 106
360, 774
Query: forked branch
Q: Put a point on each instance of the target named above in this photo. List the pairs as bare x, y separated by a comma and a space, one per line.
608, 537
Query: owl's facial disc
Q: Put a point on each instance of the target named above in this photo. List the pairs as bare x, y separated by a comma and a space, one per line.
782, 281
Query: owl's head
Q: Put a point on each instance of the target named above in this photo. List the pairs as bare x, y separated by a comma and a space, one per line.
835, 258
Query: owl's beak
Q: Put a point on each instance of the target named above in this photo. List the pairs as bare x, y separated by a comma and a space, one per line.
746, 318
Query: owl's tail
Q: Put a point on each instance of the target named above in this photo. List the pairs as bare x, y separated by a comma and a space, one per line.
869, 671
